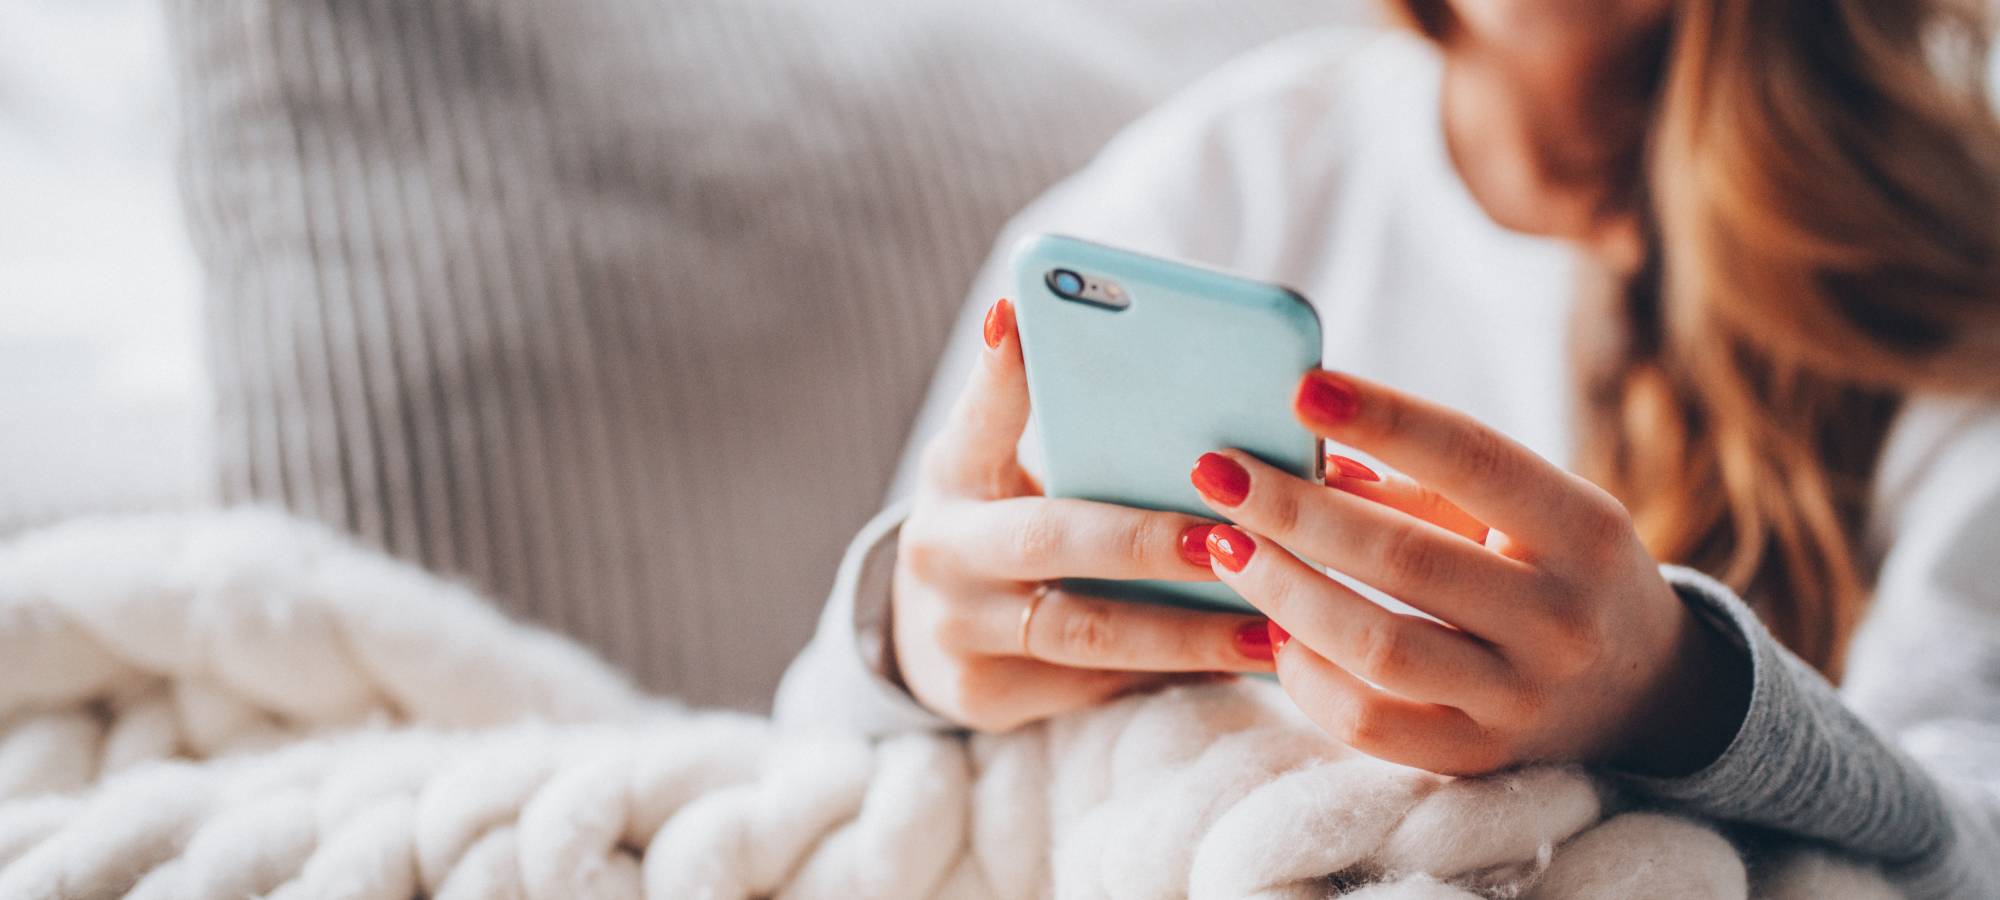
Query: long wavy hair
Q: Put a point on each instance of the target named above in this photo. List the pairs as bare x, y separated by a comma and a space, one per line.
1818, 186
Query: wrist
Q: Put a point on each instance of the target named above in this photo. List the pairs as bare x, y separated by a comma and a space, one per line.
1693, 713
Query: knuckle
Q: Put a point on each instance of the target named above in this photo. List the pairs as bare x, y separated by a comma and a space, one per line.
921, 556
1611, 511
1040, 537
1204, 648
1432, 503
955, 627
1382, 650
1142, 540
1277, 595
1365, 724
1408, 558
1481, 455
1083, 630
1284, 510
1603, 524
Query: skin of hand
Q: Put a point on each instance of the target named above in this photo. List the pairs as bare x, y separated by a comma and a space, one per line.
1549, 636
981, 543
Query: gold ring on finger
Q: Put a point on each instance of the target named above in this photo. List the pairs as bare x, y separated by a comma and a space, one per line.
1028, 615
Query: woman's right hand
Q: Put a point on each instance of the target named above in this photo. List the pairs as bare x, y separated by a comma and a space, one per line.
980, 634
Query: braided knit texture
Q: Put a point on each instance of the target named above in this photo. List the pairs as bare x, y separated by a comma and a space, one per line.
238, 704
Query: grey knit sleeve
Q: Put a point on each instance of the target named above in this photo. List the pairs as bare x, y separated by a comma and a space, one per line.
1803, 764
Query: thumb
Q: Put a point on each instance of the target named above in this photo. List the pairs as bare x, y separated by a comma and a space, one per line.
975, 451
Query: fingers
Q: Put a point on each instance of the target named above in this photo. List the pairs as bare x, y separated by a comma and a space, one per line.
1085, 632
1380, 724
1039, 539
1412, 656
1495, 479
1400, 493
1082, 651
1001, 694
974, 453
1415, 561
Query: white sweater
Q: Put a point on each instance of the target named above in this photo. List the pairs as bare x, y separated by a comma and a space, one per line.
1319, 162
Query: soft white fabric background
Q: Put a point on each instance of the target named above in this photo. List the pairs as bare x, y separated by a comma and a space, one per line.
101, 387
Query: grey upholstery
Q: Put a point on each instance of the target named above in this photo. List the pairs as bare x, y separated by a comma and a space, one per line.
619, 309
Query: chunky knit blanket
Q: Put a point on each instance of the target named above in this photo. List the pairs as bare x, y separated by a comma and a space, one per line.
237, 704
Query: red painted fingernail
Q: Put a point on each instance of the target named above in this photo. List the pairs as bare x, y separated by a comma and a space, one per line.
999, 321
1328, 398
1342, 467
1278, 636
1230, 547
1221, 479
1253, 640
1194, 545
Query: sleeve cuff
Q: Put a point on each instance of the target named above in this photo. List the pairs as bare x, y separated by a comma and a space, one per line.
1740, 762
869, 593
841, 682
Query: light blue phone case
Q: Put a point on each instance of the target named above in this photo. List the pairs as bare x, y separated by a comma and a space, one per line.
1127, 399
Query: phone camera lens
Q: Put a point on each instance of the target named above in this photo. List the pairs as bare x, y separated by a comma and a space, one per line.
1066, 283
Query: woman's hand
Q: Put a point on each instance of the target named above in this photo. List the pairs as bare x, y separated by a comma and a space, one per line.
979, 636
1555, 636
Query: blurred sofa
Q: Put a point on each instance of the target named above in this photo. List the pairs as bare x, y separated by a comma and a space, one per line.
620, 309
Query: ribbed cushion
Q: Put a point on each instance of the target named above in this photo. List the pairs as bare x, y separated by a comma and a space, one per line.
619, 309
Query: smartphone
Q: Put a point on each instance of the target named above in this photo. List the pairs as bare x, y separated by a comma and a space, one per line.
1138, 365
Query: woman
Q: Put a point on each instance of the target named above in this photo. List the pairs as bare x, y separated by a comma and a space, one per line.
1736, 261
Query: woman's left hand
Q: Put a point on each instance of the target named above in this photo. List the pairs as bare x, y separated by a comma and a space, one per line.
1555, 635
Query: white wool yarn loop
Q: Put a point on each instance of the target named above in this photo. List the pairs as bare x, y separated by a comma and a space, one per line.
570, 832
1649, 855
30, 822
461, 808
49, 753
237, 704
133, 824
1470, 825
245, 851
1812, 875
1239, 857
142, 729
489, 870
743, 840
369, 856
907, 832
1418, 888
